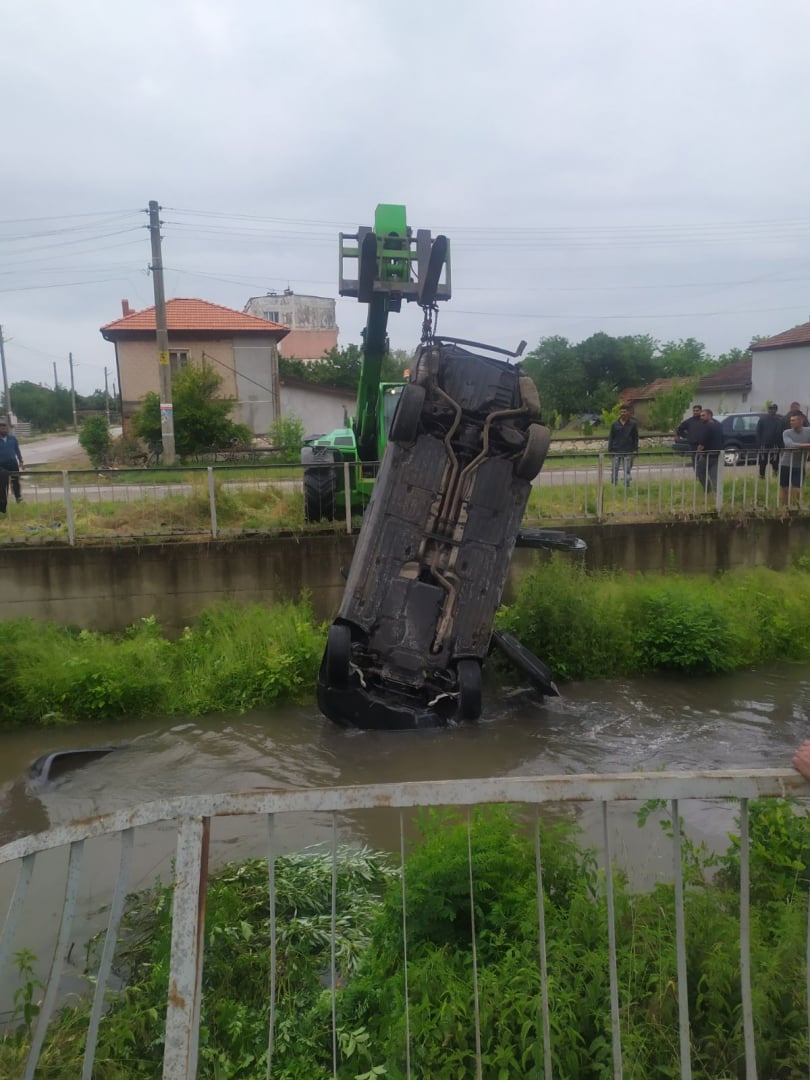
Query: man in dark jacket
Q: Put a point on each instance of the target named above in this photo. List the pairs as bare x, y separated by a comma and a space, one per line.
708, 456
769, 439
622, 444
795, 409
691, 429
10, 464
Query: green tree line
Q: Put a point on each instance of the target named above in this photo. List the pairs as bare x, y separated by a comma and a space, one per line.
588, 376
50, 410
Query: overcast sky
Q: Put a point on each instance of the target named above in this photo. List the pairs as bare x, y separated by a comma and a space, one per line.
632, 167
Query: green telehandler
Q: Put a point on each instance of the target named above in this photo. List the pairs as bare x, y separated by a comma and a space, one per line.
392, 265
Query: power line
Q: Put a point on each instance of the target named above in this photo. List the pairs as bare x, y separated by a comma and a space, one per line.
66, 217
574, 315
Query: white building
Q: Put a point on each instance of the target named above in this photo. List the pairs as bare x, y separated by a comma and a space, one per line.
309, 319
781, 369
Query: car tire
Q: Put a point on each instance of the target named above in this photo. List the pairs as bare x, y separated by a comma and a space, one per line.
338, 655
470, 696
320, 489
732, 455
405, 422
530, 462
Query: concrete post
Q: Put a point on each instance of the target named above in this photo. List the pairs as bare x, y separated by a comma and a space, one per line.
212, 501
71, 523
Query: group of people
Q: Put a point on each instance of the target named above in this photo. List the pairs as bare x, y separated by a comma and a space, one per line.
11, 462
701, 430
782, 441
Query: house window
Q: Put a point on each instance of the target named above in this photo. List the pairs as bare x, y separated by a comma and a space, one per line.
745, 398
271, 315
178, 360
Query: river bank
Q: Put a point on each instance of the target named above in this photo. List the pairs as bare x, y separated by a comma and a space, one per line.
234, 658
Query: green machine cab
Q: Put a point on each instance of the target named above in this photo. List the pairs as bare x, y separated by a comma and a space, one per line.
391, 264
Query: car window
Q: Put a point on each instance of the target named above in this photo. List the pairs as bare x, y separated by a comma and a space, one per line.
745, 423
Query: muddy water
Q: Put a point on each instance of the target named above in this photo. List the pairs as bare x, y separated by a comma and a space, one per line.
747, 719
742, 720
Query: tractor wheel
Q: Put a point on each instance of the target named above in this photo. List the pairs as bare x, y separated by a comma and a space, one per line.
338, 655
531, 461
469, 689
408, 413
320, 488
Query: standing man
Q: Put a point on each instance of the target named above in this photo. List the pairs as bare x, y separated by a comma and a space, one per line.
10, 463
691, 429
622, 444
795, 407
769, 439
796, 441
711, 443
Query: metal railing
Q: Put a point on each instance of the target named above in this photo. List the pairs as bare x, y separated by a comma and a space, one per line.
227, 501
192, 819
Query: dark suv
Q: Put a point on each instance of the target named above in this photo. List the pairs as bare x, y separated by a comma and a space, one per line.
740, 445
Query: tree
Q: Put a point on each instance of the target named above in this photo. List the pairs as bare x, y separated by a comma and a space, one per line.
201, 419
559, 374
96, 401
666, 411
47, 410
95, 440
342, 367
684, 357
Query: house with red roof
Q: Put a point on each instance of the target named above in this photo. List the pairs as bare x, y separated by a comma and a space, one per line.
727, 389
242, 349
781, 369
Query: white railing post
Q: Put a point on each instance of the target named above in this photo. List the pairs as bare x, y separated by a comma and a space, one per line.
212, 501
188, 934
71, 523
600, 486
721, 476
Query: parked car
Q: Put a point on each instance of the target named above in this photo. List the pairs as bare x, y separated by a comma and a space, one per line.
740, 446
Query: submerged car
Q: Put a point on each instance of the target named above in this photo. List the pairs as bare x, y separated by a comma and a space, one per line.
432, 557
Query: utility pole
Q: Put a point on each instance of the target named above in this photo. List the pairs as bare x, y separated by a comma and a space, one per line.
106, 398
55, 377
162, 333
7, 394
73, 394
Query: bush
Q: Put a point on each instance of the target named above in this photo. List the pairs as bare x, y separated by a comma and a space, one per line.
232, 658
201, 419
601, 625
287, 435
96, 441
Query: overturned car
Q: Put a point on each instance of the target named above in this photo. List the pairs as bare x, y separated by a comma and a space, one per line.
416, 620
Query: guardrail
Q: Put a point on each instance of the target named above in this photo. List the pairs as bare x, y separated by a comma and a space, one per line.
74, 507
192, 819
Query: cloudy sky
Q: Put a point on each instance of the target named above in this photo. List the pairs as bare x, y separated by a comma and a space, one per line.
632, 167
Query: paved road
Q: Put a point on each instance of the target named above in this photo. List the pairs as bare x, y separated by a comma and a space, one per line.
54, 448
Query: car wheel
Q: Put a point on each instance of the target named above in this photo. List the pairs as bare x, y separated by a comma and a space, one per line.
408, 413
531, 460
732, 456
469, 689
338, 655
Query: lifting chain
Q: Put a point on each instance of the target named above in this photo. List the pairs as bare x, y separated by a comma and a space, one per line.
430, 313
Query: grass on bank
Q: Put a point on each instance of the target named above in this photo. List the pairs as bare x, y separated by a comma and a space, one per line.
249, 506
370, 983
582, 624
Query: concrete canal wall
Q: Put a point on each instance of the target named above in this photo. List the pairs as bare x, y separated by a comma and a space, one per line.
108, 588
